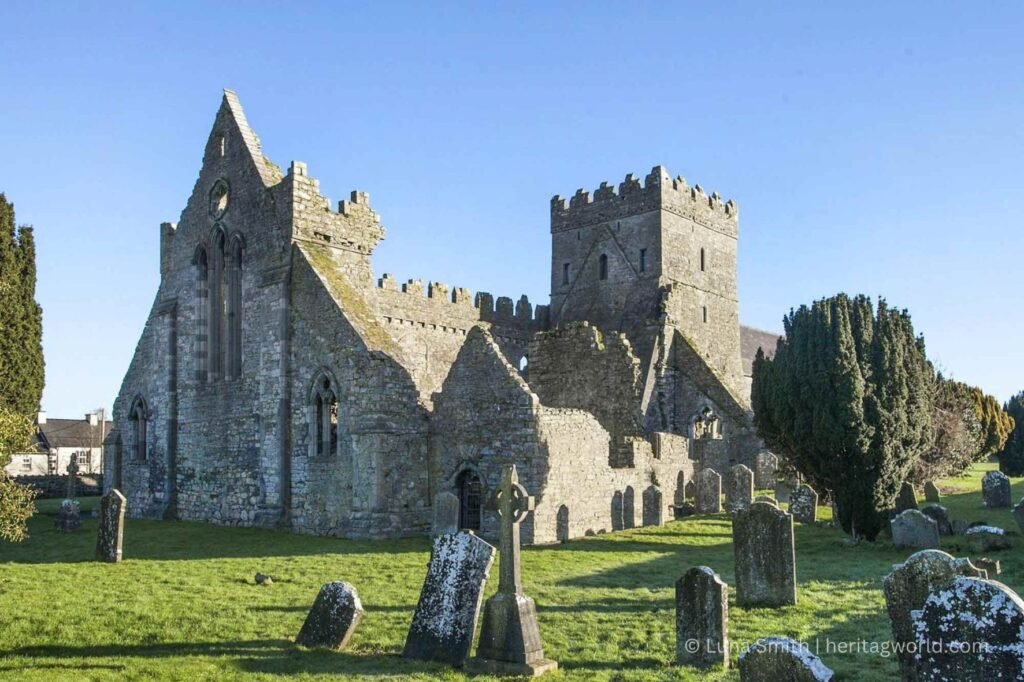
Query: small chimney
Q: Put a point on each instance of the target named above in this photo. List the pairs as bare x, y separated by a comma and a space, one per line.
41, 418
92, 418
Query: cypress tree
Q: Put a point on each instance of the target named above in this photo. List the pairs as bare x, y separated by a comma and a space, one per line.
1011, 458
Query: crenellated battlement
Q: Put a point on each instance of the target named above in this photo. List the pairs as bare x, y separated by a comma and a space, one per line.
659, 191
354, 226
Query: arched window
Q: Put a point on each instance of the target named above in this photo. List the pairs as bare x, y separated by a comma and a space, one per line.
325, 418
233, 309
470, 500
216, 318
603, 266
202, 314
139, 418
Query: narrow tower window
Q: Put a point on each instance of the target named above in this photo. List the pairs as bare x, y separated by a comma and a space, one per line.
643, 260
565, 273
217, 305
202, 349
325, 418
234, 310
603, 266
704, 313
138, 416
702, 259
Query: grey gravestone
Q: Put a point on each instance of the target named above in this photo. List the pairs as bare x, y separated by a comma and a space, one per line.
72, 481
768, 499
940, 515
985, 616
1018, 514
991, 567
931, 493
766, 470
995, 490
709, 492
110, 537
446, 514
907, 498
617, 521
765, 559
510, 641
69, 516
653, 509
702, 619
960, 526
986, 538
739, 491
803, 504
915, 530
333, 617
780, 659
681, 511
628, 508
906, 590
445, 620
782, 491
690, 490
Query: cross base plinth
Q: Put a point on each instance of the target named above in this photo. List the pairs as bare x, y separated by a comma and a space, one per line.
510, 639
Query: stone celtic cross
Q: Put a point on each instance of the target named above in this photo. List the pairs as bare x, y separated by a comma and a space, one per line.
512, 503
72, 486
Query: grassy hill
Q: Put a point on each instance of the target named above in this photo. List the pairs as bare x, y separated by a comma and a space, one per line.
183, 604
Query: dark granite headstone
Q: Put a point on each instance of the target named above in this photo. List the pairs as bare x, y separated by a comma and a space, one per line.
617, 521
739, 490
709, 492
653, 506
914, 530
702, 619
803, 504
995, 490
333, 617
906, 499
766, 470
446, 514
110, 537
765, 559
445, 620
931, 493
780, 659
940, 515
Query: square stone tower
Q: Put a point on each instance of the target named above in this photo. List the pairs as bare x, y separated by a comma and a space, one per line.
646, 255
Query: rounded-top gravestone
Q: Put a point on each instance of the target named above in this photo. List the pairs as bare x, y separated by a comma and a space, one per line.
709, 492
702, 619
803, 504
739, 492
780, 659
995, 490
766, 470
940, 515
764, 556
915, 530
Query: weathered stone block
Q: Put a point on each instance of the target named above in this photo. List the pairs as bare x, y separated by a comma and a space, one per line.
766, 470
906, 499
446, 514
709, 492
995, 490
986, 538
333, 617
69, 516
915, 530
702, 619
931, 493
940, 515
780, 659
739, 492
110, 536
765, 558
803, 504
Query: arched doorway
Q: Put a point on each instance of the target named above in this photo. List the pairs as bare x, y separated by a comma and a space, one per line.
470, 500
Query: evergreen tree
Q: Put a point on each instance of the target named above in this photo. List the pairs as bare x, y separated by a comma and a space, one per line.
848, 397
1011, 459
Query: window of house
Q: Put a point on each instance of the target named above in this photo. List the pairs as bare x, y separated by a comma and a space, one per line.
26, 464
603, 266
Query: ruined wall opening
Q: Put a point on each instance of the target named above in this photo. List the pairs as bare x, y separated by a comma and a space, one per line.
325, 418
603, 266
202, 349
138, 417
470, 500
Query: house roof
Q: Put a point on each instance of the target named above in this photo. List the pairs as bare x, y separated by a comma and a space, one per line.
71, 433
751, 339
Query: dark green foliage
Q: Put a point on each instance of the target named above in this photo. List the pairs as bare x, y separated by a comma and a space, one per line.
848, 398
1011, 459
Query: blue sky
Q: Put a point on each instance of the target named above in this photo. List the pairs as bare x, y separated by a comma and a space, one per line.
872, 148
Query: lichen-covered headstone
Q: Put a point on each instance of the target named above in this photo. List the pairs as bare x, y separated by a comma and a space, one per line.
803, 504
110, 537
766, 470
782, 491
907, 498
914, 530
333, 617
940, 515
995, 490
445, 619
906, 590
931, 493
653, 509
1018, 514
69, 516
970, 629
991, 567
702, 619
765, 558
709, 492
739, 491
446, 514
780, 659
987, 538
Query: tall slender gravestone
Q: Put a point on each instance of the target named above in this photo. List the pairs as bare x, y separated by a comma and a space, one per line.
69, 517
445, 620
765, 558
766, 470
739, 492
653, 507
907, 498
1018, 514
110, 537
709, 492
931, 493
995, 490
446, 514
702, 619
510, 641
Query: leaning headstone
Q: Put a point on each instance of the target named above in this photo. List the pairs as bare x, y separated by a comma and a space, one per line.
940, 515
906, 590
906, 499
987, 538
510, 641
780, 659
69, 516
915, 530
653, 513
702, 619
970, 629
709, 492
110, 537
1018, 514
765, 560
931, 493
766, 470
803, 504
995, 490
333, 617
446, 514
739, 491
445, 619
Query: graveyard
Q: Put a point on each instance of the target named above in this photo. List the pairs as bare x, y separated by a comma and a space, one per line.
184, 604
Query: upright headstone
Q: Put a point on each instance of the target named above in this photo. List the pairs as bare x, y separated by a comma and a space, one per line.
110, 537
653, 507
617, 521
69, 516
995, 490
803, 504
766, 470
940, 515
446, 514
970, 629
510, 641
709, 492
906, 590
690, 490
333, 617
780, 659
445, 619
914, 530
739, 492
765, 558
782, 491
931, 493
702, 619
1018, 514
629, 508
906, 499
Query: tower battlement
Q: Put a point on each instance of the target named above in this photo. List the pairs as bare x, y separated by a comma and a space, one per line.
659, 191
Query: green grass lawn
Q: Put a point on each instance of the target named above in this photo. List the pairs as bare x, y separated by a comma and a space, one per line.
183, 604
